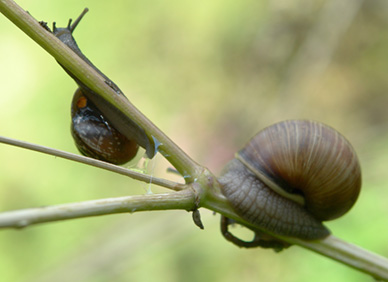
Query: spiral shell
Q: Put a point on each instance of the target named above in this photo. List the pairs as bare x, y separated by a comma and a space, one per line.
94, 135
312, 168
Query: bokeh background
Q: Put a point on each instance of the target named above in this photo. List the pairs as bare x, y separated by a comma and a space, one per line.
210, 74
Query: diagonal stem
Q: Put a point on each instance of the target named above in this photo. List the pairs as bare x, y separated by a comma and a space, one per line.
85, 73
97, 163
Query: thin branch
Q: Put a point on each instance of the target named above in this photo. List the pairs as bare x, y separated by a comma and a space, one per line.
85, 73
331, 247
96, 163
182, 200
347, 253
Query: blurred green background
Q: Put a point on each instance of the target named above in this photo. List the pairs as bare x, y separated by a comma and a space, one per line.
210, 75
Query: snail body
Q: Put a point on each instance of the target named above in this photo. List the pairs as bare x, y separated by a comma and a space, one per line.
99, 129
292, 176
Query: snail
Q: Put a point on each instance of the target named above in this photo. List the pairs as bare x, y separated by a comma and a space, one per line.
99, 129
289, 178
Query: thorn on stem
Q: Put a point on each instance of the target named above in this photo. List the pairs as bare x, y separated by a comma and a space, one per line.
197, 219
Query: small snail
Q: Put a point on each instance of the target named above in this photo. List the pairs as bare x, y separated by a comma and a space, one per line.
99, 129
289, 178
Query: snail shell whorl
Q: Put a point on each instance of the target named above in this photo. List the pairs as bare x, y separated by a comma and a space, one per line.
94, 135
312, 168
307, 158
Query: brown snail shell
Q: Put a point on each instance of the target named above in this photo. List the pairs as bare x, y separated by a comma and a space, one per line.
95, 136
291, 176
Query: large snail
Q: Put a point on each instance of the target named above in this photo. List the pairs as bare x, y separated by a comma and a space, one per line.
289, 178
98, 128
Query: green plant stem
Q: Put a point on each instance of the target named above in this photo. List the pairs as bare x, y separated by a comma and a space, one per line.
26, 217
347, 253
71, 61
96, 163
